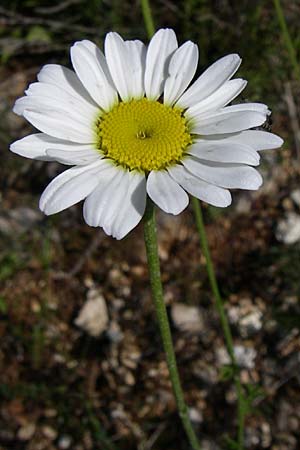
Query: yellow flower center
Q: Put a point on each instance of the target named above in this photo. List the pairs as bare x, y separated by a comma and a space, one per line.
143, 135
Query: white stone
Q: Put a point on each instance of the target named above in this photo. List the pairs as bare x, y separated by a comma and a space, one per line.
251, 323
26, 432
222, 356
288, 229
64, 442
93, 316
187, 318
245, 356
49, 432
195, 415
295, 196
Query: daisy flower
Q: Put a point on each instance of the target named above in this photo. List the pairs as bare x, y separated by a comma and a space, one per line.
131, 124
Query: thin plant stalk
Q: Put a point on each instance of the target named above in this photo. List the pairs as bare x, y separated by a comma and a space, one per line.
157, 290
163, 321
148, 18
287, 38
223, 319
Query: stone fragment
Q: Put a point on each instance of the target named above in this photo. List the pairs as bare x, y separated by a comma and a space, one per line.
26, 432
295, 196
187, 318
93, 316
64, 442
245, 356
288, 229
49, 432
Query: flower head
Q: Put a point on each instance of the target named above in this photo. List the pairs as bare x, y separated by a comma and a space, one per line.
130, 125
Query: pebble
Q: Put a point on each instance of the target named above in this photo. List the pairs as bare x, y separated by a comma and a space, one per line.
288, 229
245, 356
114, 332
222, 356
295, 196
26, 432
251, 323
247, 317
243, 205
49, 432
195, 415
187, 318
209, 445
93, 316
266, 436
64, 442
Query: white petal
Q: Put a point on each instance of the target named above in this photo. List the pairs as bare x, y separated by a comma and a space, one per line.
119, 60
227, 120
198, 188
90, 66
46, 148
100, 56
137, 60
132, 208
224, 152
211, 80
166, 192
69, 188
182, 68
225, 175
258, 140
33, 146
220, 98
257, 107
57, 113
65, 79
58, 124
49, 94
96, 204
118, 203
75, 156
160, 50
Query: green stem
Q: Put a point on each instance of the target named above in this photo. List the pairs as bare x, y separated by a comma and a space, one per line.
162, 317
223, 319
148, 19
287, 38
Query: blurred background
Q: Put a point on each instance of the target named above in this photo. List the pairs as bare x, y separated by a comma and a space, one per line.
81, 361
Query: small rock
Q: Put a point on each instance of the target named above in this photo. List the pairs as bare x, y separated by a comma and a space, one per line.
209, 445
246, 316
251, 437
222, 356
64, 442
129, 378
287, 204
288, 229
266, 436
114, 332
26, 432
295, 196
50, 412
243, 205
93, 316
245, 356
187, 318
195, 415
251, 323
49, 432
